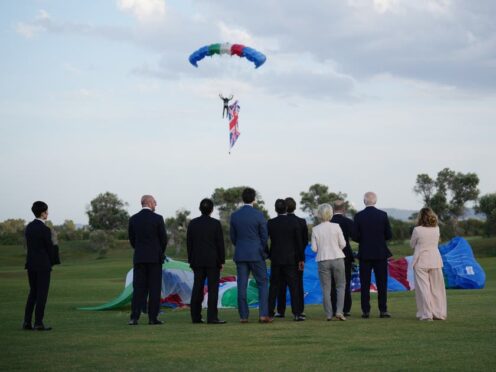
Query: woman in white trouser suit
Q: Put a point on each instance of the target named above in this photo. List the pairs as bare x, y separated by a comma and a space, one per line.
430, 292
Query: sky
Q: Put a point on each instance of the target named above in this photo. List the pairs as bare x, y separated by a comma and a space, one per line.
358, 95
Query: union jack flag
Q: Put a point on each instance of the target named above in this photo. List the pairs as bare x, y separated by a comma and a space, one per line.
232, 116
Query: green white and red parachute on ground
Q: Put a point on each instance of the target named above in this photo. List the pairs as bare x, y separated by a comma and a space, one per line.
460, 270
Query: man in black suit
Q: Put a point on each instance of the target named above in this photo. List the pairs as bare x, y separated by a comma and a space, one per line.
206, 256
281, 296
286, 257
372, 230
39, 261
148, 238
346, 225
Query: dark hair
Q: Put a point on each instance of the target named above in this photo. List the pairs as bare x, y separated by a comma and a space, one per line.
427, 218
206, 206
248, 195
38, 208
281, 206
290, 204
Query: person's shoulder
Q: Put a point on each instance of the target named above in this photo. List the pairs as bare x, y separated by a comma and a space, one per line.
335, 226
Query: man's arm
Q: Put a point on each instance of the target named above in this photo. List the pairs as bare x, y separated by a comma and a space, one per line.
388, 234
263, 232
189, 242
232, 231
130, 231
162, 235
355, 231
219, 242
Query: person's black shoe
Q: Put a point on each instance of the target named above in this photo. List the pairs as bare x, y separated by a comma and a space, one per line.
347, 314
201, 321
217, 321
365, 315
42, 327
298, 318
133, 322
385, 314
277, 315
27, 326
155, 322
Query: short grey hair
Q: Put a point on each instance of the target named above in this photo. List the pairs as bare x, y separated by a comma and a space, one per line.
370, 198
339, 205
145, 199
324, 212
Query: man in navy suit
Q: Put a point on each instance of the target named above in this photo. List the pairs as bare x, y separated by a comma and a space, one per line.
248, 233
148, 238
286, 257
347, 226
372, 230
206, 256
39, 261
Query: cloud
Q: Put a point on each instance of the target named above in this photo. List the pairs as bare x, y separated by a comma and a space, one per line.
144, 10
30, 30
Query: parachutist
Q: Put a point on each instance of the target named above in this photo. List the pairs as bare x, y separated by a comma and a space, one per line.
225, 109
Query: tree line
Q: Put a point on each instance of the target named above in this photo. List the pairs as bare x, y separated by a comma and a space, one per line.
447, 194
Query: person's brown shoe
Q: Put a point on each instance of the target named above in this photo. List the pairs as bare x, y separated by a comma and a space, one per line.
243, 320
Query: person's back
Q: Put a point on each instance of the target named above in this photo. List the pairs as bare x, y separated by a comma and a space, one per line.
285, 240
425, 241
248, 234
372, 230
147, 236
205, 242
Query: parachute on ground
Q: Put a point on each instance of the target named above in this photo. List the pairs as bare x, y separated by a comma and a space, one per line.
239, 50
460, 270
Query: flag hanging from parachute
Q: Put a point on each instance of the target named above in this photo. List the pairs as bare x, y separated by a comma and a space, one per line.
232, 116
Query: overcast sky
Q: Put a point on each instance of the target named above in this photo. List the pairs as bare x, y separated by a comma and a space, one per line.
359, 95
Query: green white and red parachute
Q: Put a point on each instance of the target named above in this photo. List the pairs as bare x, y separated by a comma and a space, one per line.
239, 50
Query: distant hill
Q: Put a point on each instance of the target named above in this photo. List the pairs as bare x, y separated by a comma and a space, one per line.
404, 214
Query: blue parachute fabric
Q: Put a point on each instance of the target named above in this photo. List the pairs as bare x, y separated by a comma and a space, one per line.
461, 270
199, 55
254, 56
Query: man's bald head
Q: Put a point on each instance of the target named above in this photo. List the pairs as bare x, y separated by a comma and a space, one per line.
370, 198
149, 202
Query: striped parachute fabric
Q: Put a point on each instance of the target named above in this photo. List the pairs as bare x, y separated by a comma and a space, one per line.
239, 50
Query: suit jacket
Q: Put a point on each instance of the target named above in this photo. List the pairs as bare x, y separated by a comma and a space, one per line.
39, 245
425, 241
248, 233
347, 226
147, 237
372, 230
205, 242
303, 231
285, 241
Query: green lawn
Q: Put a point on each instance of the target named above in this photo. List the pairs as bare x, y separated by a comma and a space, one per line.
102, 340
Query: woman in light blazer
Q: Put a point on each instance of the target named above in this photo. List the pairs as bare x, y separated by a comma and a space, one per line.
328, 241
430, 292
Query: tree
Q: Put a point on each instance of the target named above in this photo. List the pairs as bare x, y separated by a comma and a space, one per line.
319, 194
229, 200
106, 212
106, 215
176, 229
12, 231
69, 231
487, 205
447, 195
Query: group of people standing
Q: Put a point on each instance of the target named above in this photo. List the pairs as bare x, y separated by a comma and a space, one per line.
250, 234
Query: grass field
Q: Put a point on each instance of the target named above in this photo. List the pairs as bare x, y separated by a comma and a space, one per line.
102, 340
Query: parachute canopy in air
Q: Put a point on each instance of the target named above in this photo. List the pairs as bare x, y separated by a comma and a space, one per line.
239, 50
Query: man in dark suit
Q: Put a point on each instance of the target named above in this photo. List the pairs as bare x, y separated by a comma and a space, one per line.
248, 233
281, 296
286, 257
206, 256
372, 230
39, 262
148, 238
346, 225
